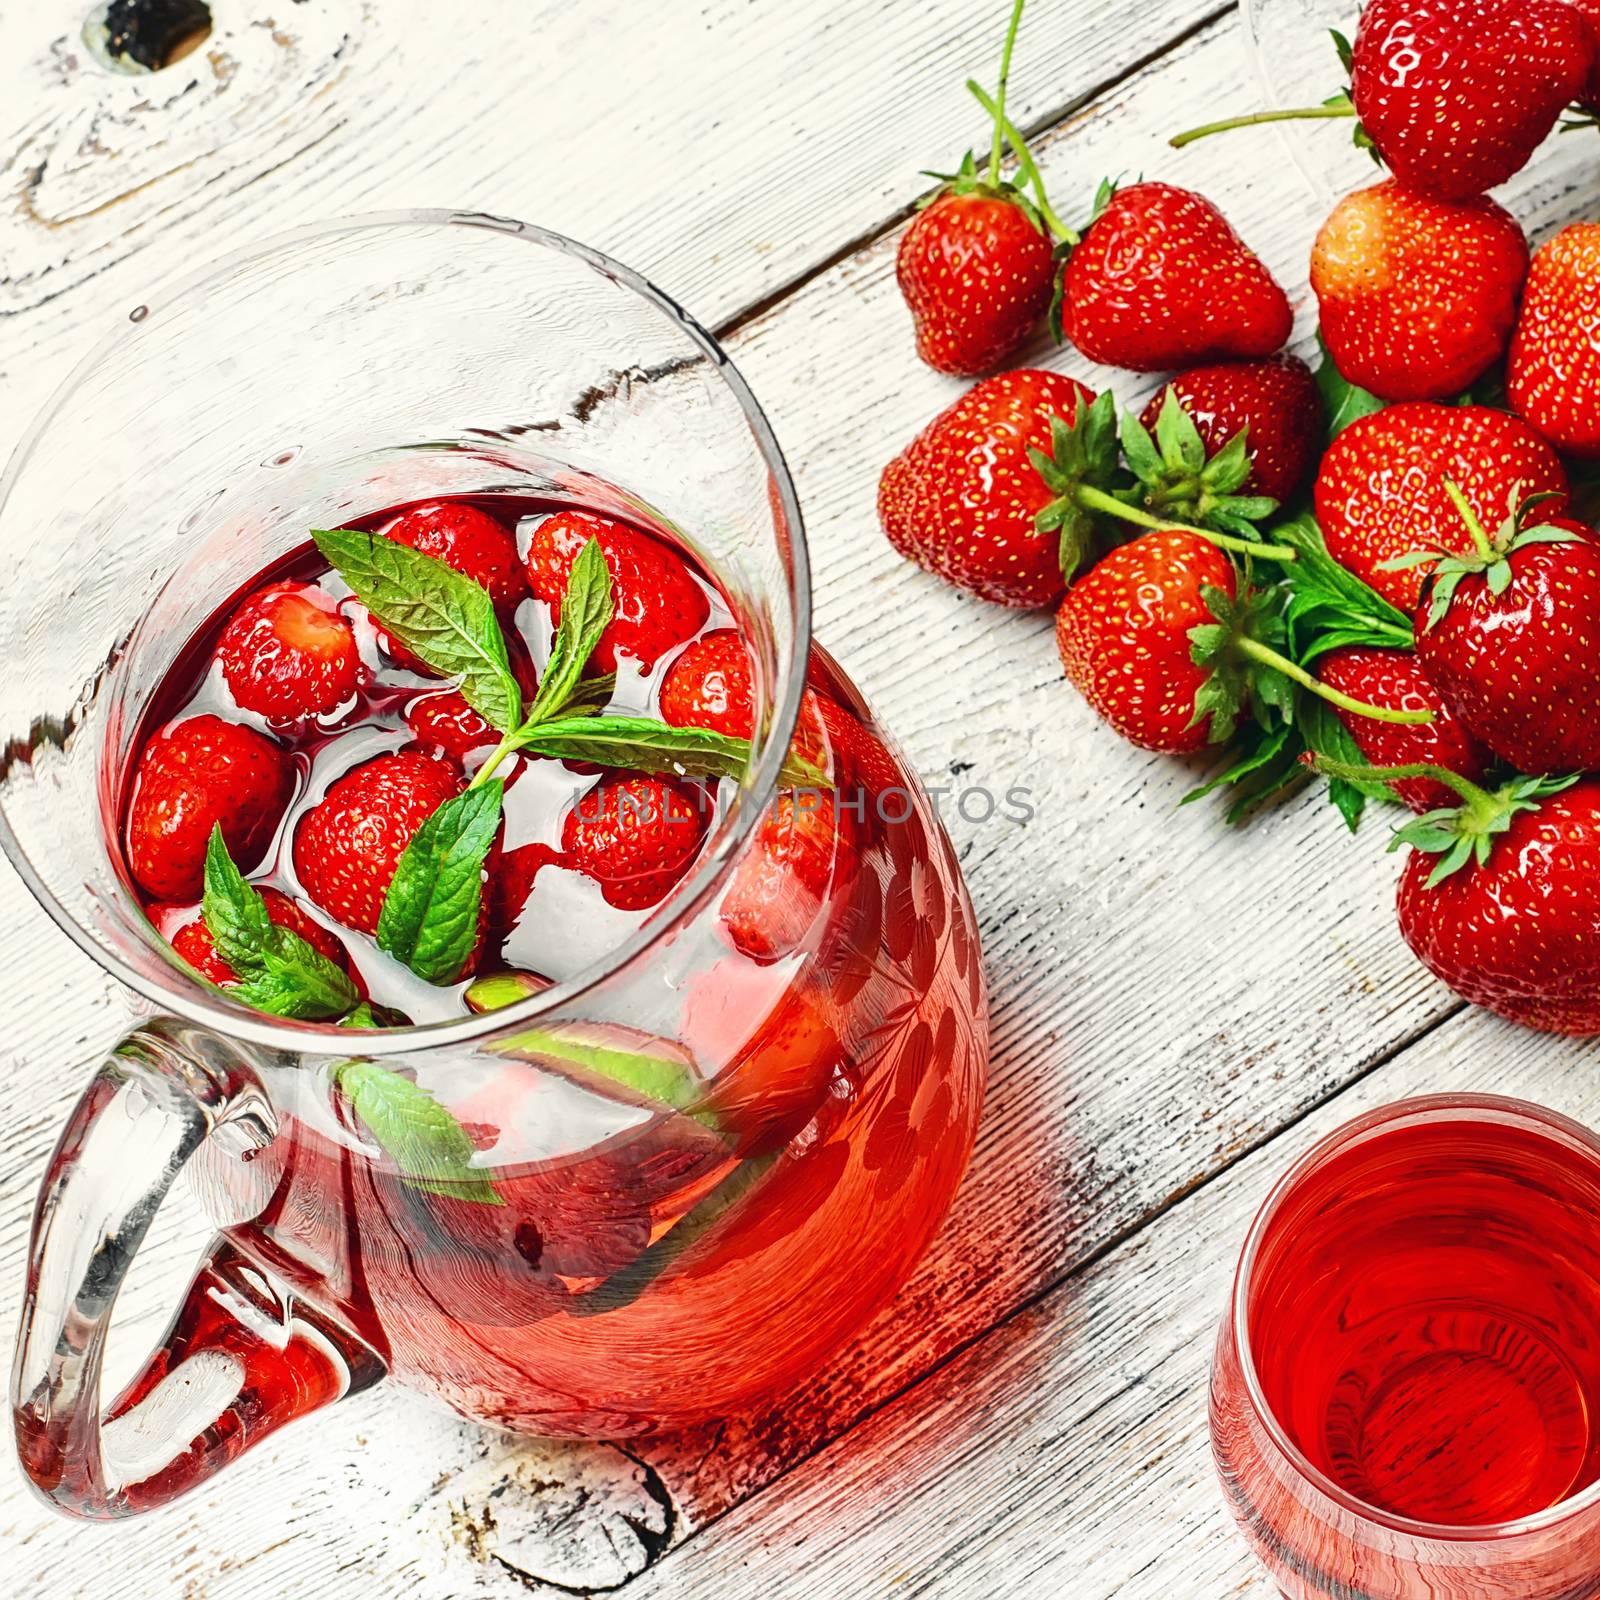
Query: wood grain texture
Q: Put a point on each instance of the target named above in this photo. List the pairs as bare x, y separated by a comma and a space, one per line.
722, 147
1168, 994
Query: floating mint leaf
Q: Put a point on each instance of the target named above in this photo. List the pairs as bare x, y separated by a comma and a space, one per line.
586, 609
641, 745
278, 971
430, 912
367, 1015
664, 1075
439, 614
422, 1138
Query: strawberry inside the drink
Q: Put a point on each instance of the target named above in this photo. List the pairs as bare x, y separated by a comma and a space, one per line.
443, 759
1425, 1320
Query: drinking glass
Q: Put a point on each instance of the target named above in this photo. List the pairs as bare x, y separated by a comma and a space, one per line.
1403, 1398
661, 1253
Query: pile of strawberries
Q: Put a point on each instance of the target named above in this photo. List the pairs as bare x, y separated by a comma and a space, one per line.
1375, 571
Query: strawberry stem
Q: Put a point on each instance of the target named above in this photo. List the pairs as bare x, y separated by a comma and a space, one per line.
999, 108
1092, 499
1480, 537
1471, 793
1027, 168
1339, 108
1269, 657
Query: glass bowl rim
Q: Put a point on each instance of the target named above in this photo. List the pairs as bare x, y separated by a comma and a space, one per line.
214, 1011
1507, 1109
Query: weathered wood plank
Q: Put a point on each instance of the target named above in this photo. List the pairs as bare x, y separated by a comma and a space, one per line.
724, 148
1066, 1452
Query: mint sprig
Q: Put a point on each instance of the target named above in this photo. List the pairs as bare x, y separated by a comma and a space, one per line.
641, 744
586, 611
423, 1139
278, 971
440, 615
430, 912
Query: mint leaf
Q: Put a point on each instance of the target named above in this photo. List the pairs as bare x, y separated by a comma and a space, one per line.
1325, 733
1342, 401
422, 1138
430, 912
586, 609
642, 745
278, 971
667, 1078
439, 614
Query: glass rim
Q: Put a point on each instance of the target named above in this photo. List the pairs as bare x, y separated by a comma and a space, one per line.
1508, 1109
196, 1004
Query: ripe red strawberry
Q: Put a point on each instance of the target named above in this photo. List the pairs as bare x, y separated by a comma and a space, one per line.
1160, 281
287, 653
445, 721
977, 271
1380, 492
192, 939
1123, 634
1456, 95
1553, 376
709, 686
636, 835
1509, 634
190, 778
1274, 402
469, 540
962, 497
1589, 10
1395, 679
1417, 295
803, 855
658, 602
346, 848
1514, 922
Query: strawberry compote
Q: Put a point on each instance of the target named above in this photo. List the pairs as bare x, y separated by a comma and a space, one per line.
679, 1185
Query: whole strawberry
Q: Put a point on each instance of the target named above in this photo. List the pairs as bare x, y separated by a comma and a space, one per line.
346, 848
1553, 375
201, 773
469, 540
1509, 634
636, 836
1501, 900
803, 856
1380, 492
1275, 404
1123, 633
1417, 295
1454, 95
1161, 281
192, 939
963, 497
1395, 679
288, 654
658, 603
977, 270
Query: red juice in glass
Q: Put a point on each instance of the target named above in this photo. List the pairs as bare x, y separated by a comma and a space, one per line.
1406, 1396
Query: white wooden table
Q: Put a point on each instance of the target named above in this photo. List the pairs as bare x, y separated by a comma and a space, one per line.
1178, 1009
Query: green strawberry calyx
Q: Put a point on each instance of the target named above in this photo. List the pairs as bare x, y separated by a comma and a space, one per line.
1177, 478
1490, 556
1244, 651
1456, 834
1081, 468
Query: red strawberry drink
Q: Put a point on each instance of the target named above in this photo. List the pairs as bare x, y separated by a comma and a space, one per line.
449, 757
